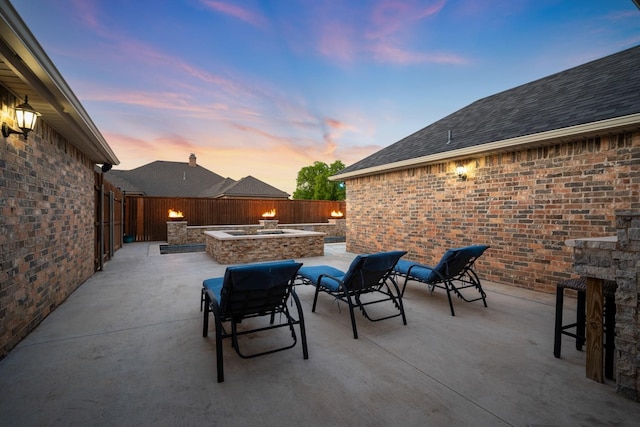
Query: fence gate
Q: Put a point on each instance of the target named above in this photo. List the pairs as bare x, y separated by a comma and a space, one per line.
109, 203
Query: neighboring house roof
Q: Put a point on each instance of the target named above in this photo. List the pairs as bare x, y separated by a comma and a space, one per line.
167, 179
182, 179
118, 179
27, 70
601, 95
248, 186
217, 189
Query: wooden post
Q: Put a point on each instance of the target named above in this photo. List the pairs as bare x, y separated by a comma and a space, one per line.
594, 329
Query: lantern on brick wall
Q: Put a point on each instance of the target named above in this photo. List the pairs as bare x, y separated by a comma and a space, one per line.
461, 171
25, 119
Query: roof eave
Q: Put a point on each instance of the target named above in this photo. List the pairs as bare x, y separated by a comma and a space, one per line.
23, 54
616, 124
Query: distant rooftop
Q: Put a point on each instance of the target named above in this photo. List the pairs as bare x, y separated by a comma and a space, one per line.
188, 179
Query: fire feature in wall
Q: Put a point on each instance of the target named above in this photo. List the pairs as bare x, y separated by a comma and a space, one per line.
269, 214
175, 215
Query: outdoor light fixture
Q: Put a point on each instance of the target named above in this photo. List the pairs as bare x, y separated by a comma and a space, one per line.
461, 171
25, 119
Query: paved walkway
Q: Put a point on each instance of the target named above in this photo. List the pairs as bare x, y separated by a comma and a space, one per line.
126, 350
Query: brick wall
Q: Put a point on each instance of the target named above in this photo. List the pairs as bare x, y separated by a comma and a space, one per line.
46, 227
524, 204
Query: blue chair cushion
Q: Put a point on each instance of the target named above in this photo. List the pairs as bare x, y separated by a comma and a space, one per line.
378, 262
215, 284
313, 274
421, 272
451, 263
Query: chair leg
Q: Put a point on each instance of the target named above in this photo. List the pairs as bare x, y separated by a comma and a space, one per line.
557, 338
581, 318
205, 321
315, 299
219, 360
353, 318
303, 333
205, 332
404, 286
448, 289
404, 317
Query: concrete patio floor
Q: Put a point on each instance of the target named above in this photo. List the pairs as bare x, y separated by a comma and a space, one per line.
126, 349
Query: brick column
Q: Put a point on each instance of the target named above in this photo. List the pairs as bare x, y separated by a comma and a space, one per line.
340, 226
177, 232
269, 224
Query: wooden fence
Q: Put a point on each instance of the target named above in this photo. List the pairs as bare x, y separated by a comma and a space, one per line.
146, 217
108, 225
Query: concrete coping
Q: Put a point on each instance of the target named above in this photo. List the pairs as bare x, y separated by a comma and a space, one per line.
607, 242
286, 233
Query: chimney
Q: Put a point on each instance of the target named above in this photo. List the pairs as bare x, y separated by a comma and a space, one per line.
192, 160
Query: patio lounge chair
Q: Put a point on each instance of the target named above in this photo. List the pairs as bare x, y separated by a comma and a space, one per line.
368, 275
252, 290
453, 273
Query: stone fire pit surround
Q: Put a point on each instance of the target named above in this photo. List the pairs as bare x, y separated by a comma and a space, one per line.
240, 247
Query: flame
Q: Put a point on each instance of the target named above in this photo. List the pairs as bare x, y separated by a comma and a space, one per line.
269, 214
336, 214
175, 214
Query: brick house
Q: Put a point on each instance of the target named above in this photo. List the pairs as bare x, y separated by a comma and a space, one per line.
48, 205
547, 161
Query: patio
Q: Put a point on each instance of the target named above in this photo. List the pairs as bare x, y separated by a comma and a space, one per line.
126, 349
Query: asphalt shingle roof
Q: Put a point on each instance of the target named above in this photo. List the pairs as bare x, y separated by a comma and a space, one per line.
246, 187
179, 179
169, 179
602, 89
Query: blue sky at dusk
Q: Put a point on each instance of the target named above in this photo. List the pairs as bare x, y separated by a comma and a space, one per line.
264, 88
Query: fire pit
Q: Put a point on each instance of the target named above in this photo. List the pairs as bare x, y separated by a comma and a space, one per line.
269, 214
175, 215
239, 247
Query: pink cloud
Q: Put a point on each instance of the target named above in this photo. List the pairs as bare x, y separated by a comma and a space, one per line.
338, 125
386, 36
125, 50
338, 41
237, 12
394, 54
87, 12
391, 17
259, 132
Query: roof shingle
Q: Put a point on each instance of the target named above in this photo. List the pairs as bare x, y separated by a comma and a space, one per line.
602, 89
179, 179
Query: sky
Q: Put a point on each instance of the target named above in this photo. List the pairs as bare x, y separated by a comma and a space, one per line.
267, 87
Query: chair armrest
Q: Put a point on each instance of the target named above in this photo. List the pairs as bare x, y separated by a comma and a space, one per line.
212, 298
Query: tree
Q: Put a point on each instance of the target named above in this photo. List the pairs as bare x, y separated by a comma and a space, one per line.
313, 182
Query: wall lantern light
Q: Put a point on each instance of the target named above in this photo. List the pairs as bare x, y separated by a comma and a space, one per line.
25, 119
461, 171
